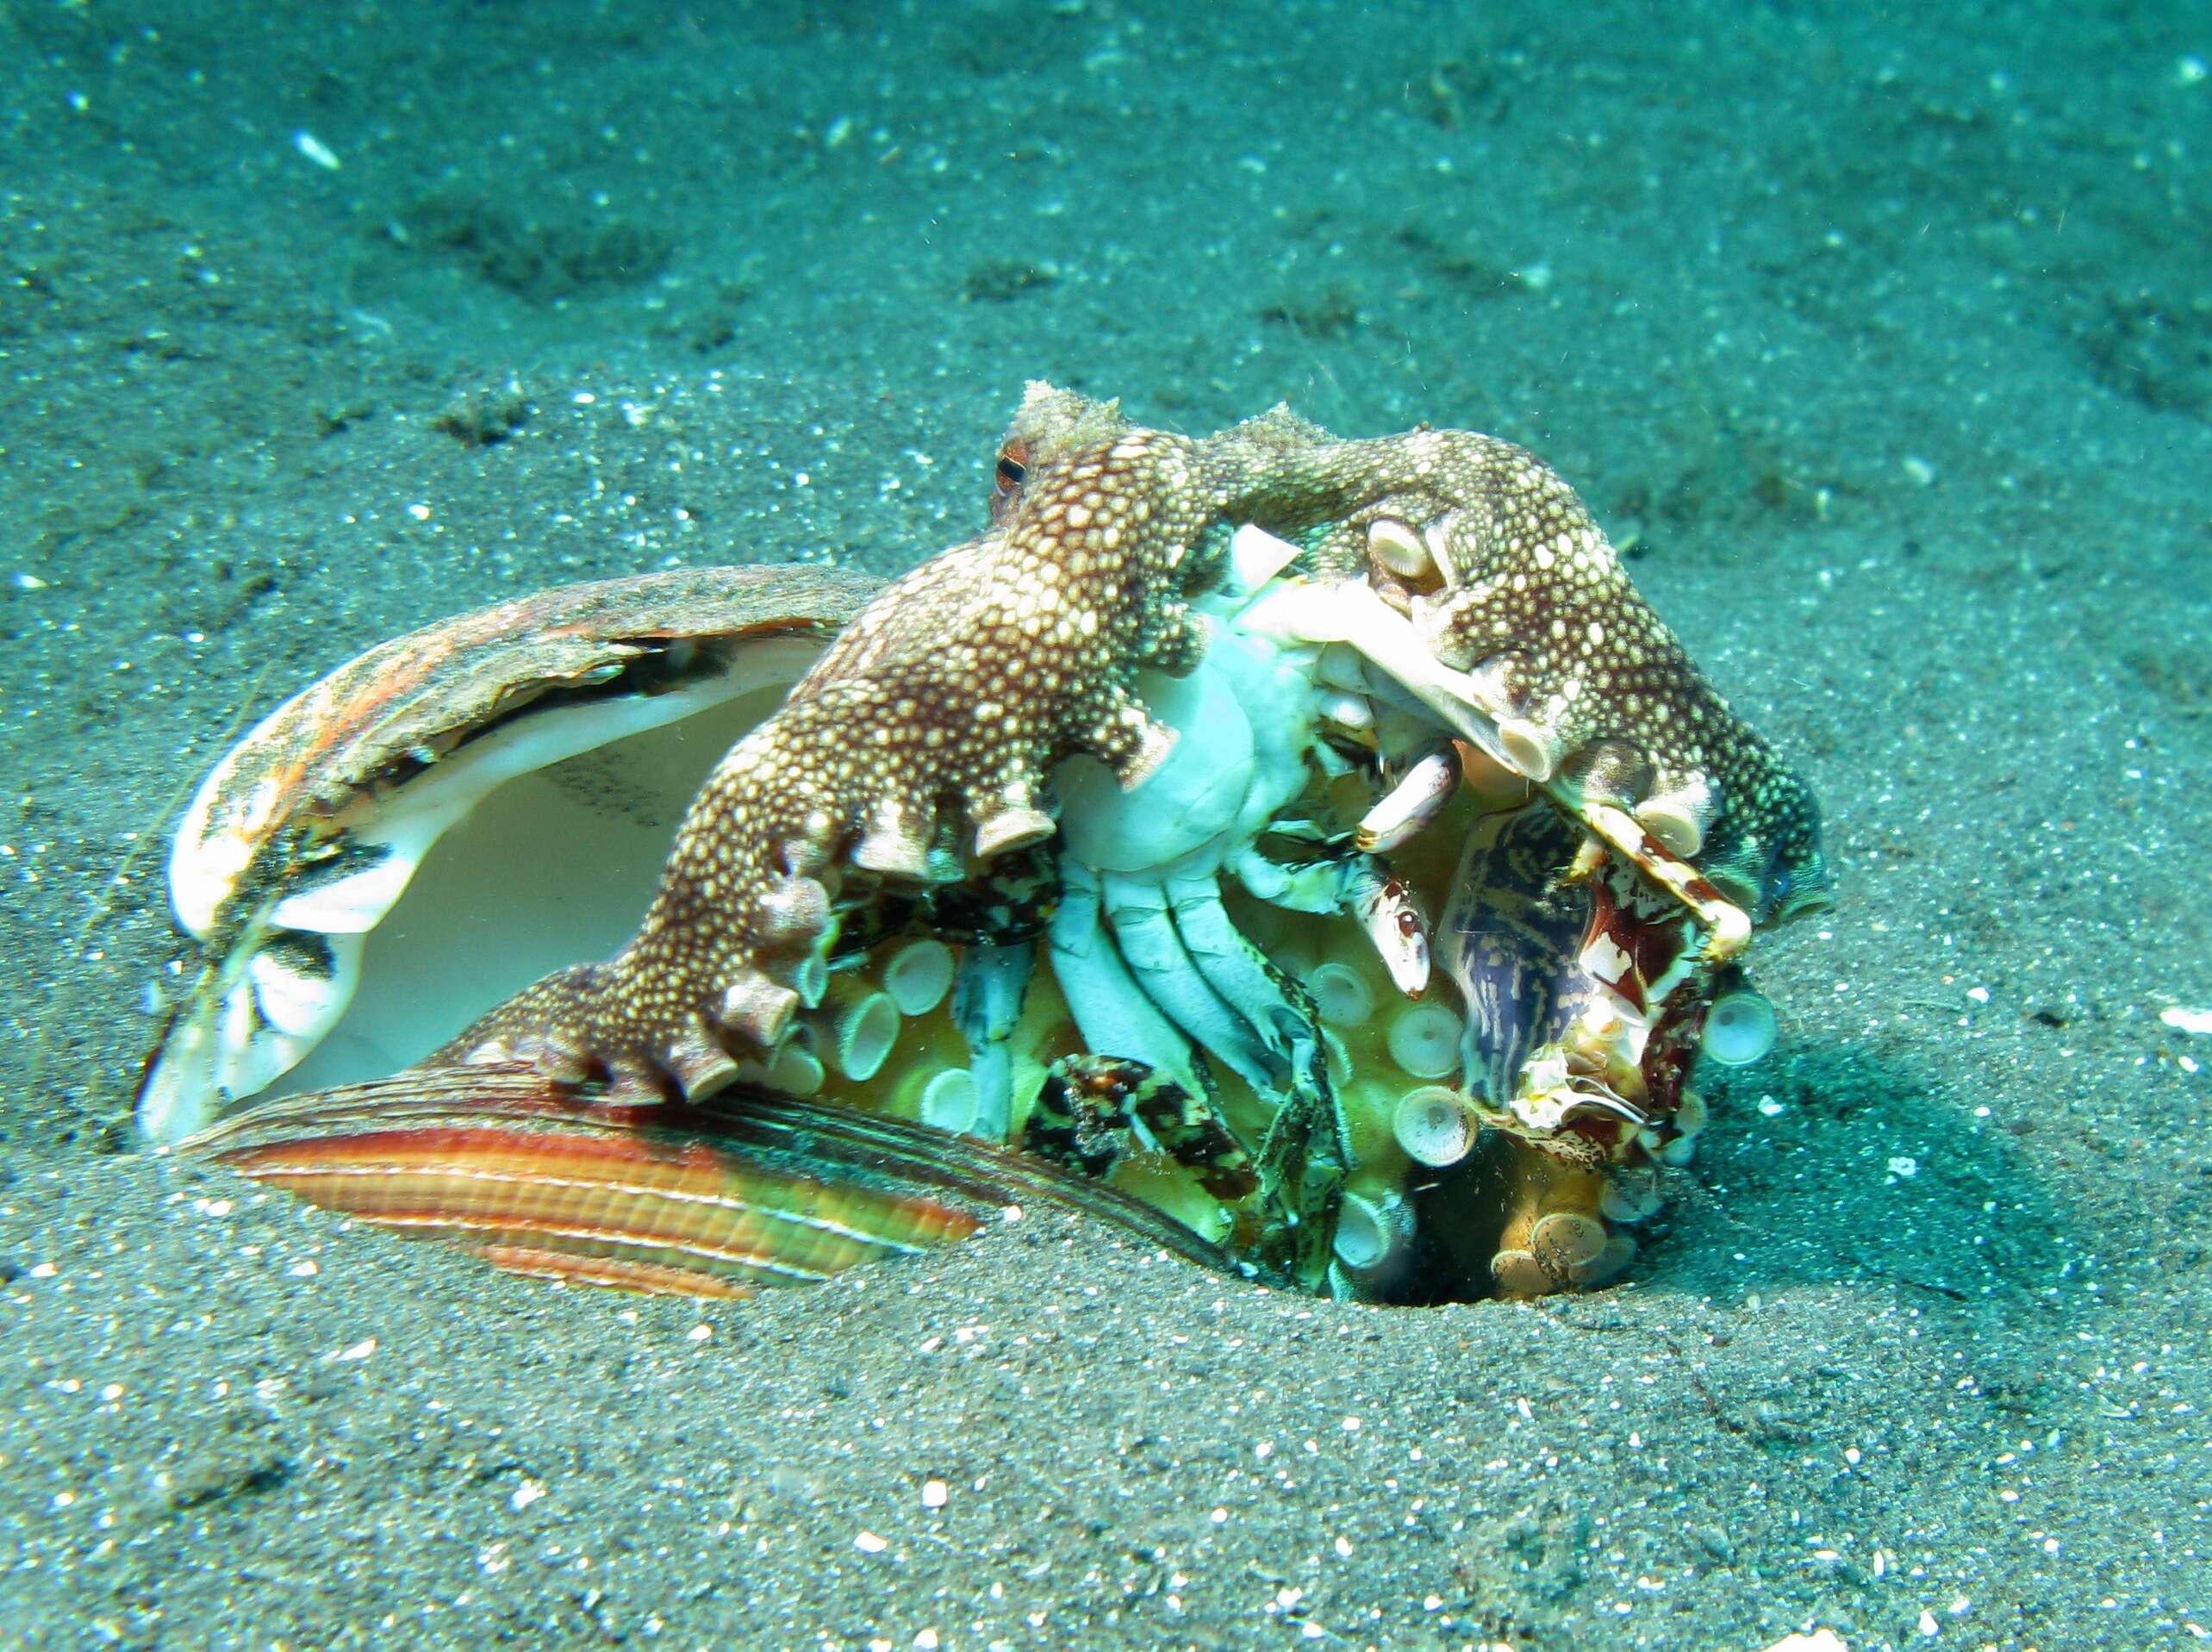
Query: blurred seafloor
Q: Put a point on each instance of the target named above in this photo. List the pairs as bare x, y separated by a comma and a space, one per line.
1885, 337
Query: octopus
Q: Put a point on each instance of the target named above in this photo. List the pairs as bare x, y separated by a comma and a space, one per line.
1317, 843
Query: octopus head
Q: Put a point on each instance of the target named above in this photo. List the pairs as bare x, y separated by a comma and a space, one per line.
1051, 423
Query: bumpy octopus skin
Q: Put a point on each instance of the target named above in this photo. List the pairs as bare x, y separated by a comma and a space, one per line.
963, 684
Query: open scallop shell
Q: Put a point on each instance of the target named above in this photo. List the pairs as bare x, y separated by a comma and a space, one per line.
302, 849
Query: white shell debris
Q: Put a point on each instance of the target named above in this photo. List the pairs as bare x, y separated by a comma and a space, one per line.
1820, 1640
2197, 1021
316, 150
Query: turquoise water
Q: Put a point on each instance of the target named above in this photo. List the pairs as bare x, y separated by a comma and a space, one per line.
1881, 340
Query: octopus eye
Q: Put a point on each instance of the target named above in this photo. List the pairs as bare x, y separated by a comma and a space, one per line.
1013, 471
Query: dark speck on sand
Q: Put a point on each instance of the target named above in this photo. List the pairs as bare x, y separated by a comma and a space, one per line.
1885, 338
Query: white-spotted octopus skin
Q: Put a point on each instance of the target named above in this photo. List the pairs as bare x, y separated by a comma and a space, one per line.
954, 691
949, 700
1518, 586
1535, 604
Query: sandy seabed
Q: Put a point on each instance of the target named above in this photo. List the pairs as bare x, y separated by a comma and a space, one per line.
1887, 345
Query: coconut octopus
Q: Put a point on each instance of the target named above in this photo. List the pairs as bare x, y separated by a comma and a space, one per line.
1311, 854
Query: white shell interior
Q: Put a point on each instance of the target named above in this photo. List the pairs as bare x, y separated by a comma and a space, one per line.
552, 867
536, 846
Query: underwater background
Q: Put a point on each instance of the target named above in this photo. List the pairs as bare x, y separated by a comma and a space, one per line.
1881, 339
